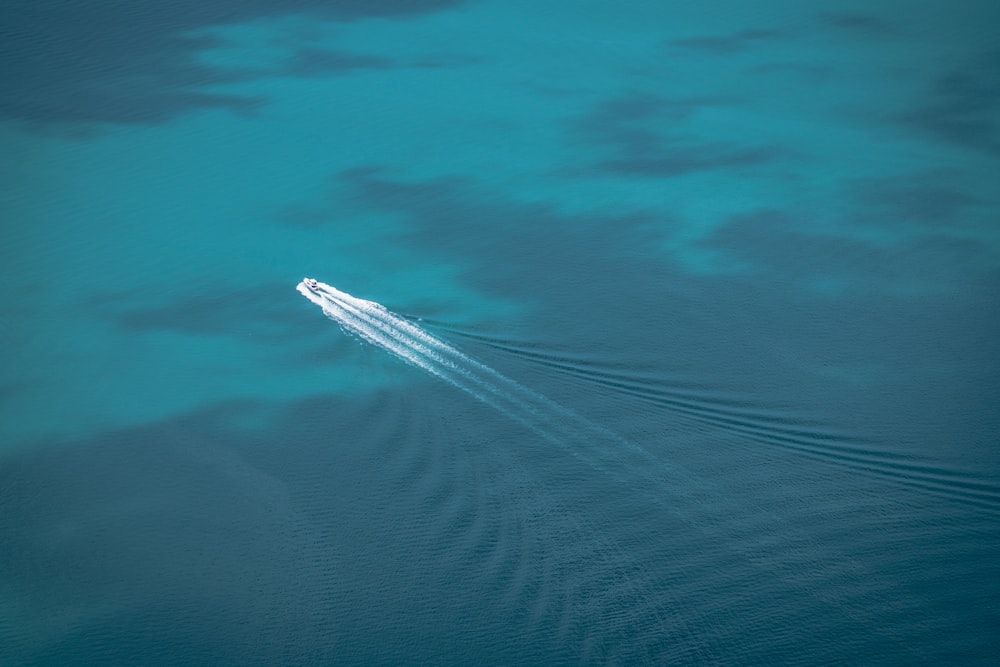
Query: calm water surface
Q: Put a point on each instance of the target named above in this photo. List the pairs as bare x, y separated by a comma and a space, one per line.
737, 268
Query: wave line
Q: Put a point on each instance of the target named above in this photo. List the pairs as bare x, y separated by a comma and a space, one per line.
375, 324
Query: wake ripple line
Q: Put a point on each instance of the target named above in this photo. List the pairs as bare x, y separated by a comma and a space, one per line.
375, 324
803, 437
626, 462
378, 326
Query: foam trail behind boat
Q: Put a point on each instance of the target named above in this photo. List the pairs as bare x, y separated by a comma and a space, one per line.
595, 446
375, 324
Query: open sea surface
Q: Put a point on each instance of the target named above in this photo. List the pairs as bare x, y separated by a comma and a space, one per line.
688, 355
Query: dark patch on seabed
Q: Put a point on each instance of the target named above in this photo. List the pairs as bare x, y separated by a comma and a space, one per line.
83, 63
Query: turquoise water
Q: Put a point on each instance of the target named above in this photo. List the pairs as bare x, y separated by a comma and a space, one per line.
746, 257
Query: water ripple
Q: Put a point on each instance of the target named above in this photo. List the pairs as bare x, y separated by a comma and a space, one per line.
783, 430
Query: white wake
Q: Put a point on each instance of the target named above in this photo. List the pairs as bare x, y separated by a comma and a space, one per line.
668, 485
375, 324
604, 562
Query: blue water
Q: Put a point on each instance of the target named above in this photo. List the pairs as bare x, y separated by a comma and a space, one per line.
743, 258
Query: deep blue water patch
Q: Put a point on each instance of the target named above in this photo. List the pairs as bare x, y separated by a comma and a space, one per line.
645, 135
119, 63
961, 105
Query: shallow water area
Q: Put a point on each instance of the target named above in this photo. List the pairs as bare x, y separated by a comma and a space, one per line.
659, 335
